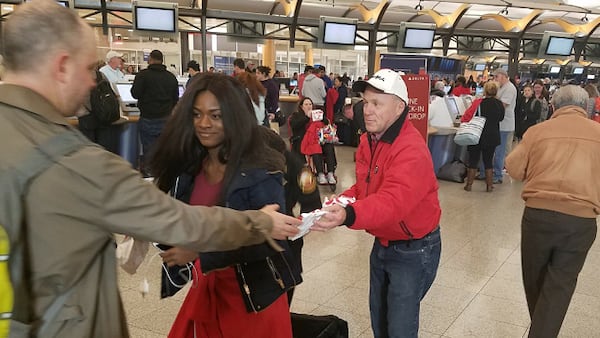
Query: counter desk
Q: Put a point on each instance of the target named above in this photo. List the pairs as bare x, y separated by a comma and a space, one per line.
442, 147
129, 144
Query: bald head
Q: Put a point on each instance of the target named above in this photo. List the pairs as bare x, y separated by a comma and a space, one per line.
37, 30
51, 51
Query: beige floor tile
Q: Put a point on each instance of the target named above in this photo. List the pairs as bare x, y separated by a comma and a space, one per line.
352, 300
475, 265
499, 309
506, 289
159, 320
448, 298
461, 279
318, 291
473, 326
579, 325
300, 306
510, 271
136, 332
437, 320
585, 305
425, 334
588, 286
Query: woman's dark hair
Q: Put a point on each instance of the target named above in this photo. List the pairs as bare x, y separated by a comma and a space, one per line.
264, 70
461, 81
178, 150
301, 102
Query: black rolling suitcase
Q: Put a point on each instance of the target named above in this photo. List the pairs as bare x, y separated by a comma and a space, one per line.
309, 326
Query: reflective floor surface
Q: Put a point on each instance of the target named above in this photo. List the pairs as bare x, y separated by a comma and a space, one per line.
477, 291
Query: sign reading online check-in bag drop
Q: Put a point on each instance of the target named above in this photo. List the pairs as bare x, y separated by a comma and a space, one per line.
418, 97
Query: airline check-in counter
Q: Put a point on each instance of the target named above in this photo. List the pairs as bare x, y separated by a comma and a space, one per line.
444, 115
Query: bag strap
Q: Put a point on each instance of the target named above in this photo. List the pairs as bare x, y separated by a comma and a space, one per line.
42, 157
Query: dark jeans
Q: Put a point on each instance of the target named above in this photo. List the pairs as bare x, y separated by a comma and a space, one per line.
476, 152
401, 275
329, 154
150, 130
553, 249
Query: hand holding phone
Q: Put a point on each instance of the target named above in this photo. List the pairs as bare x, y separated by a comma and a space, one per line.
161, 247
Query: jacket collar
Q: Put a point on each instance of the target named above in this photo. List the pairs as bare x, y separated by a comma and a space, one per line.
29, 100
570, 110
157, 66
390, 135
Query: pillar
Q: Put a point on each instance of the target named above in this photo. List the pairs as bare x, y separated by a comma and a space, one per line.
268, 54
308, 56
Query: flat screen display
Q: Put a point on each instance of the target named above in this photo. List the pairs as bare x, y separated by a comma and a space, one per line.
479, 67
591, 76
418, 38
559, 46
578, 70
339, 33
155, 19
124, 90
293, 83
452, 107
555, 69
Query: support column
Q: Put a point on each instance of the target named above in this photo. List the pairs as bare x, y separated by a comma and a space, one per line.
371, 60
513, 57
268, 53
308, 56
184, 46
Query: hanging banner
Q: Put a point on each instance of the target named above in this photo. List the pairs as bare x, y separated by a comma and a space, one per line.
418, 97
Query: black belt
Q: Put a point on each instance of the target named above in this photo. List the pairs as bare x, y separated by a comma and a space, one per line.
408, 241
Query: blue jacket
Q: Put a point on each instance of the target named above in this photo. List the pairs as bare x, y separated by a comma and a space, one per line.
263, 274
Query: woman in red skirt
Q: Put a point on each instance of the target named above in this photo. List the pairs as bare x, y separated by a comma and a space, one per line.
213, 153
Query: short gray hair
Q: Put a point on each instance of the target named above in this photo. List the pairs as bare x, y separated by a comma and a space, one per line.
439, 85
36, 30
570, 95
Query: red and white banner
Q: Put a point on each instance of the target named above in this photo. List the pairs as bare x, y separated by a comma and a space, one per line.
418, 97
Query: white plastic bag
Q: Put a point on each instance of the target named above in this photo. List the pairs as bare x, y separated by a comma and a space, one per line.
131, 253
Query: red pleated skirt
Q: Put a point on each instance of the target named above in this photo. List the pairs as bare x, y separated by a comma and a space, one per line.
214, 308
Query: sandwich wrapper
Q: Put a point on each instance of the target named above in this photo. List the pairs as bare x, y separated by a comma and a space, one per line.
309, 218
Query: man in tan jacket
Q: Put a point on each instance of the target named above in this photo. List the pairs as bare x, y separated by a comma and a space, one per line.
559, 160
69, 212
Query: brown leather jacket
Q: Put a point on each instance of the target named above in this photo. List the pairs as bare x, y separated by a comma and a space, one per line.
559, 160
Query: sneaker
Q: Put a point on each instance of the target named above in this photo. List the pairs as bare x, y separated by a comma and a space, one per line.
331, 178
497, 181
321, 179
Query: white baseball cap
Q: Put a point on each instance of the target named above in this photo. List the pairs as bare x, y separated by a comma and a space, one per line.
386, 80
113, 54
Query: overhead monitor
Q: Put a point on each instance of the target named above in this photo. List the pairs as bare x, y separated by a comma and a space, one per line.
416, 37
479, 67
554, 69
337, 32
155, 16
578, 70
124, 91
591, 76
556, 44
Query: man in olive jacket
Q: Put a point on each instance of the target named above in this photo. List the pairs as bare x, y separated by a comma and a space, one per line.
559, 162
71, 209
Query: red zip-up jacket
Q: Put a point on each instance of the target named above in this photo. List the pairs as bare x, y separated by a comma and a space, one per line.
396, 188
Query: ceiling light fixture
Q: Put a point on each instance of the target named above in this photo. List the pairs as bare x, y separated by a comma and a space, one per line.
418, 7
585, 18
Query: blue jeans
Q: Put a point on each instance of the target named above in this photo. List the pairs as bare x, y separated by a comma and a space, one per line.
150, 130
401, 275
499, 155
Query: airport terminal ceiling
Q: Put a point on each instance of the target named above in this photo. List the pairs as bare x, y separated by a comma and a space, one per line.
484, 18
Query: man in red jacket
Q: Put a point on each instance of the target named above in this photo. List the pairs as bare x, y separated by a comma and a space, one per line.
397, 202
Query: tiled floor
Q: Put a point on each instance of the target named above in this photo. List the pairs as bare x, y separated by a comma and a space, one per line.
477, 292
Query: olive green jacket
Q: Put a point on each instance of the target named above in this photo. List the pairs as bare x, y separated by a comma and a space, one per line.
73, 208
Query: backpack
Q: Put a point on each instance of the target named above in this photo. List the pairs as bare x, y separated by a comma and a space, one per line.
14, 182
104, 102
